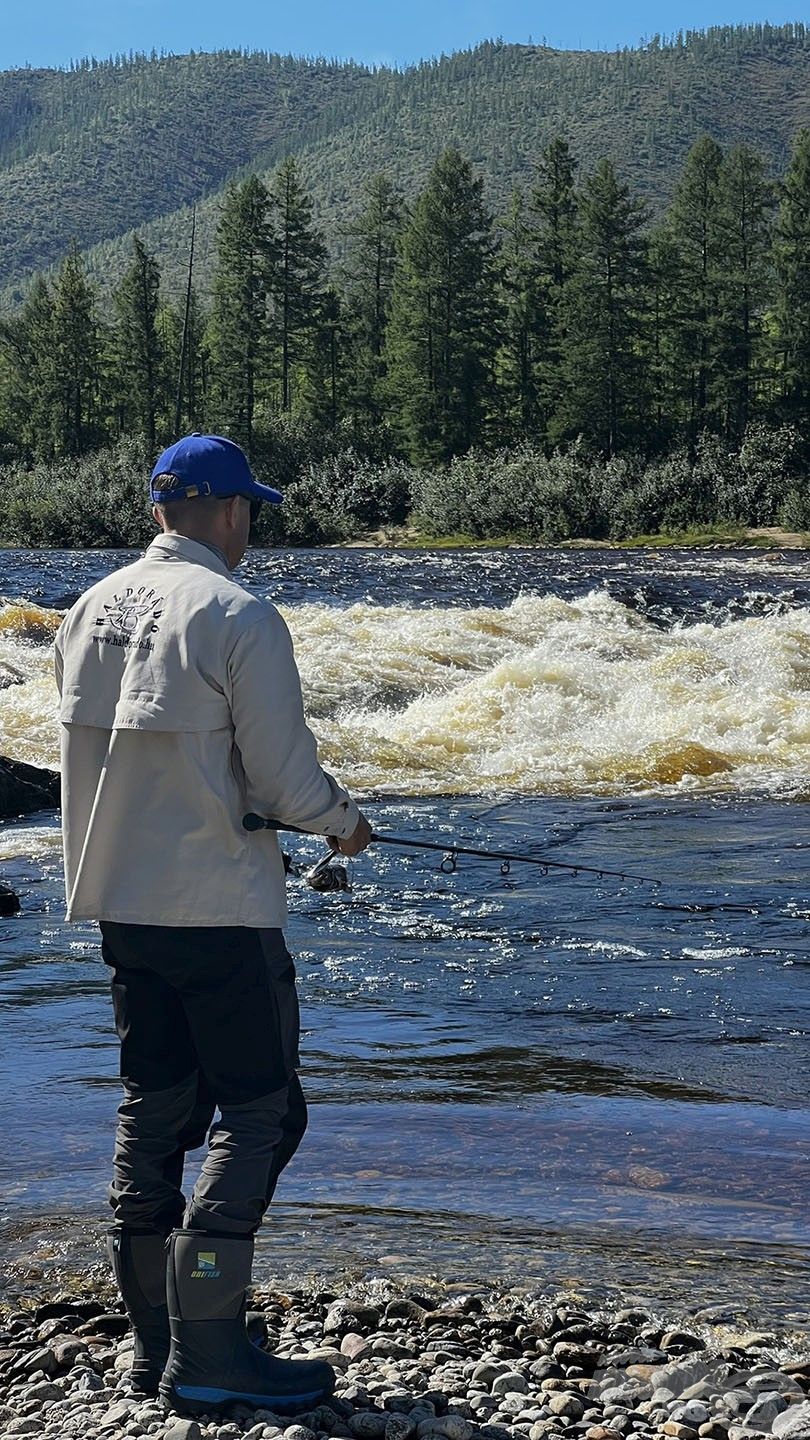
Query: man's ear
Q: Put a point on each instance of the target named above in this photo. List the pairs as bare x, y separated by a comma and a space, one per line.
232, 511
157, 516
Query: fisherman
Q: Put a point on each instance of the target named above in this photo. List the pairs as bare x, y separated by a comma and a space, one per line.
181, 709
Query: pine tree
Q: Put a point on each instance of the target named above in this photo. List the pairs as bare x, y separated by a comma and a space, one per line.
238, 330
138, 357
298, 276
793, 277
605, 302
76, 360
441, 332
368, 276
745, 203
694, 220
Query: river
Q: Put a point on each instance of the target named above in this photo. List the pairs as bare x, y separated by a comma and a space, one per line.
539, 1080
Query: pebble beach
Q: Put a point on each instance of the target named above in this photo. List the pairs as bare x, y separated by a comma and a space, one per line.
426, 1366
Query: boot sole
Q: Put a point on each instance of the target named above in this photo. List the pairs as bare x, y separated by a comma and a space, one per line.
205, 1400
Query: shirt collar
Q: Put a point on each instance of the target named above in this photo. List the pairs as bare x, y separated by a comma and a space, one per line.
198, 551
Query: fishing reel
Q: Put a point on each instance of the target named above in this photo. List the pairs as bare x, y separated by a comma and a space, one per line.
326, 876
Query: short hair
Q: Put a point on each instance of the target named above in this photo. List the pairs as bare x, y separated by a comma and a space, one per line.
184, 508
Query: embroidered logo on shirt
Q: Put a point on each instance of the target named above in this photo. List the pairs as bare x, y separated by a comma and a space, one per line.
126, 616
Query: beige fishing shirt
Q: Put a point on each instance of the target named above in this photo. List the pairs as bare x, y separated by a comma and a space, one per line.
181, 710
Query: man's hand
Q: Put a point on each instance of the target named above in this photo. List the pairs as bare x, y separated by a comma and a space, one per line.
354, 843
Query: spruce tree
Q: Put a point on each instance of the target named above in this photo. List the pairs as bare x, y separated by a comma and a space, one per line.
138, 356
522, 326
368, 276
298, 276
441, 332
604, 311
76, 360
238, 332
745, 204
26, 342
793, 280
553, 217
694, 220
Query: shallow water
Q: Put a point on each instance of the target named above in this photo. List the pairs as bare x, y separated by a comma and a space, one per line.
547, 1079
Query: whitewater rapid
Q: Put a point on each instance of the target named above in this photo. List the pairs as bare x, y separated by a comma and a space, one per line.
543, 696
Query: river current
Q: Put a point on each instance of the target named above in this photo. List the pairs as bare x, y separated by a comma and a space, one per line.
550, 1080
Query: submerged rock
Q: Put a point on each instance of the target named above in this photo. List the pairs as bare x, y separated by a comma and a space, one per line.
25, 789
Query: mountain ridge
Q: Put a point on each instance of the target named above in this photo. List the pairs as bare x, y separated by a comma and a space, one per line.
94, 153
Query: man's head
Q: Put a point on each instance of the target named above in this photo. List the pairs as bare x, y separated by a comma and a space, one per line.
203, 487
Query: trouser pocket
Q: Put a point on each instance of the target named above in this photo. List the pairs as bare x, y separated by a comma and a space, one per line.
280, 969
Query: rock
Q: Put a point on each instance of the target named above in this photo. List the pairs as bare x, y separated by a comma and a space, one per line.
9, 901
330, 1355
601, 1432
399, 1427
183, 1430
390, 1349
30, 1361
111, 1325
298, 1432
766, 1407
691, 1413
681, 1340
509, 1382
794, 1423
627, 1394
566, 1353
44, 1390
347, 1315
571, 1406
355, 1346
119, 1412
737, 1402
680, 1432
68, 1350
453, 1427
23, 1425
754, 1340
368, 1424
713, 1430
23, 790
407, 1310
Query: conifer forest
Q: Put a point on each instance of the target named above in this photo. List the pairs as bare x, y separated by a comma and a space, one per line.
580, 360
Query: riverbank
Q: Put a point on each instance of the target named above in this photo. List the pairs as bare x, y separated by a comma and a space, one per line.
427, 1361
769, 537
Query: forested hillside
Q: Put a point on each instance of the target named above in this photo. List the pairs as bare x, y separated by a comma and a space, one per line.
92, 154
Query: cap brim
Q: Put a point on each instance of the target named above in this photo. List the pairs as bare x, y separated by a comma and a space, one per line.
264, 492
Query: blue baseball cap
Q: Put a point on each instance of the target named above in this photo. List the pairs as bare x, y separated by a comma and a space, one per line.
207, 465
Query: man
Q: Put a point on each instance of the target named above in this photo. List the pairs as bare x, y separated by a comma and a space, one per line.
180, 710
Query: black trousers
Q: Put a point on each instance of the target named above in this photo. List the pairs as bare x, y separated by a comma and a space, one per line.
208, 1023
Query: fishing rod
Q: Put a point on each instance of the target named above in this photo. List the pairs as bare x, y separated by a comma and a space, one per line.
452, 850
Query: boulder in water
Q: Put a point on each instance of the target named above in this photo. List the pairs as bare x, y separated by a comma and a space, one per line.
26, 788
9, 901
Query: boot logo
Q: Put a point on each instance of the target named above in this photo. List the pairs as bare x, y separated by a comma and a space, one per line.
206, 1266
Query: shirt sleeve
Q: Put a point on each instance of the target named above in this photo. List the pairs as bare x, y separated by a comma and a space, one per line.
278, 751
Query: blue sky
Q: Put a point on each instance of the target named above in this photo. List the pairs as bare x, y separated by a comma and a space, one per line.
52, 32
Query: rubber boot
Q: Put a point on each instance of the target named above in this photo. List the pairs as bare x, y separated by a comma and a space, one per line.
212, 1363
139, 1265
